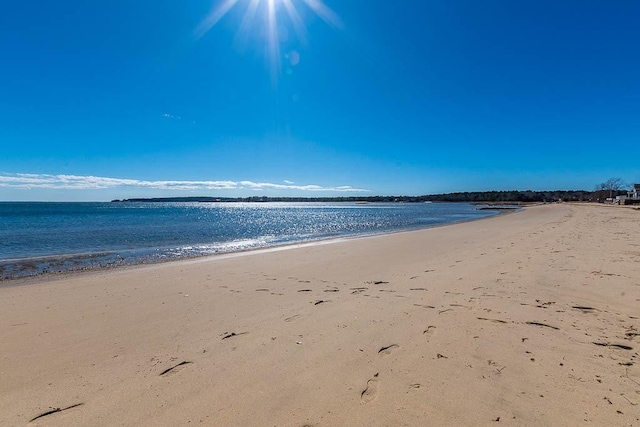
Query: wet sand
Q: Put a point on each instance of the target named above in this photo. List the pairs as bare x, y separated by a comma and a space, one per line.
531, 318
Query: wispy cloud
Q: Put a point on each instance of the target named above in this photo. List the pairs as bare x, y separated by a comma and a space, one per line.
81, 182
171, 116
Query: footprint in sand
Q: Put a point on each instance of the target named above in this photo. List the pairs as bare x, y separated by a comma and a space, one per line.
388, 349
430, 331
371, 391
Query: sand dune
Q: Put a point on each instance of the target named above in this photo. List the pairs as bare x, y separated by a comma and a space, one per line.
531, 318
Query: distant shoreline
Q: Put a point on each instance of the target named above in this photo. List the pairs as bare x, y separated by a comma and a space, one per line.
479, 197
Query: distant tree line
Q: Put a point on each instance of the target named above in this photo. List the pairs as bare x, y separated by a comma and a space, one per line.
515, 196
473, 197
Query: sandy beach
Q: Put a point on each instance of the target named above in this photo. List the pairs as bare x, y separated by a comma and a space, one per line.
530, 318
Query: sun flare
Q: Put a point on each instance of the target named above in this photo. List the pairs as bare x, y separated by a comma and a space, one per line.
268, 11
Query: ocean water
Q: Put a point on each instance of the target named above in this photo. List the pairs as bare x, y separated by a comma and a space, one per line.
37, 238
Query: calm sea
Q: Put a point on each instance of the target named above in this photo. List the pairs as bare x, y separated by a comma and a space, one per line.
37, 238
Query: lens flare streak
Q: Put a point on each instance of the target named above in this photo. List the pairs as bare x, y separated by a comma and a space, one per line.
212, 19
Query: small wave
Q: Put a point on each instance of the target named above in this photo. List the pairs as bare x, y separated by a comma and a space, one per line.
224, 247
34, 266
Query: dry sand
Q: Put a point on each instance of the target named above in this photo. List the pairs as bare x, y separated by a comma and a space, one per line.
530, 318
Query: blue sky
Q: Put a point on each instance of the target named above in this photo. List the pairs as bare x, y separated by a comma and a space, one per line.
102, 100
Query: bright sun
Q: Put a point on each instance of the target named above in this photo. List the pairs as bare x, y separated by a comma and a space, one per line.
268, 9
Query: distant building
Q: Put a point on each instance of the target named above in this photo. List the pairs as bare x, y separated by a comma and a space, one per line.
635, 192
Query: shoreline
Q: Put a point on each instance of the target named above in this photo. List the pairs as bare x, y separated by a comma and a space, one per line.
527, 319
38, 277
